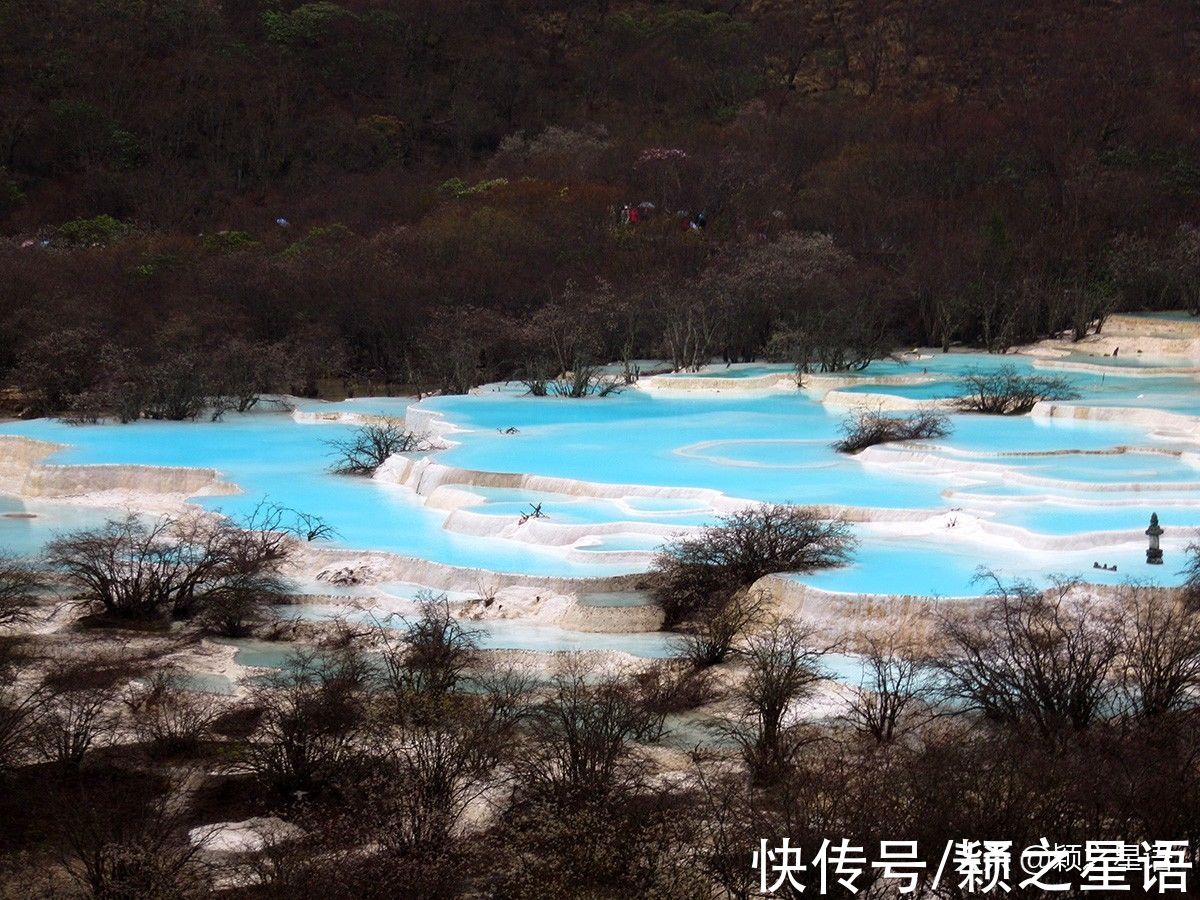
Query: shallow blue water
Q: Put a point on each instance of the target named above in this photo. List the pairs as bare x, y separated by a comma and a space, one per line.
565, 509
269, 455
767, 446
26, 526
667, 442
1123, 386
948, 569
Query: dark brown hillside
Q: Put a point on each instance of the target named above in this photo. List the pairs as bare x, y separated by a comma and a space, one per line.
993, 170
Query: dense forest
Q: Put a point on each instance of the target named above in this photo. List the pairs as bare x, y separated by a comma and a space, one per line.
392, 192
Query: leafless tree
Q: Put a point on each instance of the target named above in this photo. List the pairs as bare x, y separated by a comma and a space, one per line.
1183, 266
399, 816
1160, 651
167, 715
831, 340
674, 685
128, 839
1004, 392
1191, 573
241, 590
895, 693
784, 665
175, 390
581, 737
868, 427
585, 381
78, 711
695, 571
567, 338
20, 705
441, 764
691, 324
20, 586
136, 568
1040, 659
712, 632
429, 660
308, 527
130, 568
315, 714
369, 446
242, 371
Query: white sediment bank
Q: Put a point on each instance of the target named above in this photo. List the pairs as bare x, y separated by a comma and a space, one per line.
884, 401
338, 417
1151, 326
1071, 365
820, 385
100, 483
1158, 421
942, 461
425, 475
24, 474
666, 384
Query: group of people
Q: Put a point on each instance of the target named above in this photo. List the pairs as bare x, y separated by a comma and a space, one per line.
644, 211
1105, 567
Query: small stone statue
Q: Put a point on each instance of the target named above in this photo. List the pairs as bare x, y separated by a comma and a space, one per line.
1154, 554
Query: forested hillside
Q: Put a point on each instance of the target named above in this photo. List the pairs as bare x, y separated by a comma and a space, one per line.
412, 192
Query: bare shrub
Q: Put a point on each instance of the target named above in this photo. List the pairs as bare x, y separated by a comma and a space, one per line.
582, 379
127, 837
244, 583
868, 427
369, 446
633, 843
1160, 651
58, 365
705, 569
167, 715
1006, 393
1191, 573
784, 665
437, 765
581, 738
397, 825
670, 686
712, 631
536, 380
77, 712
20, 586
82, 409
242, 371
428, 661
175, 390
375, 841
315, 713
308, 527
895, 693
585, 380
1032, 659
139, 569
130, 568
19, 708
